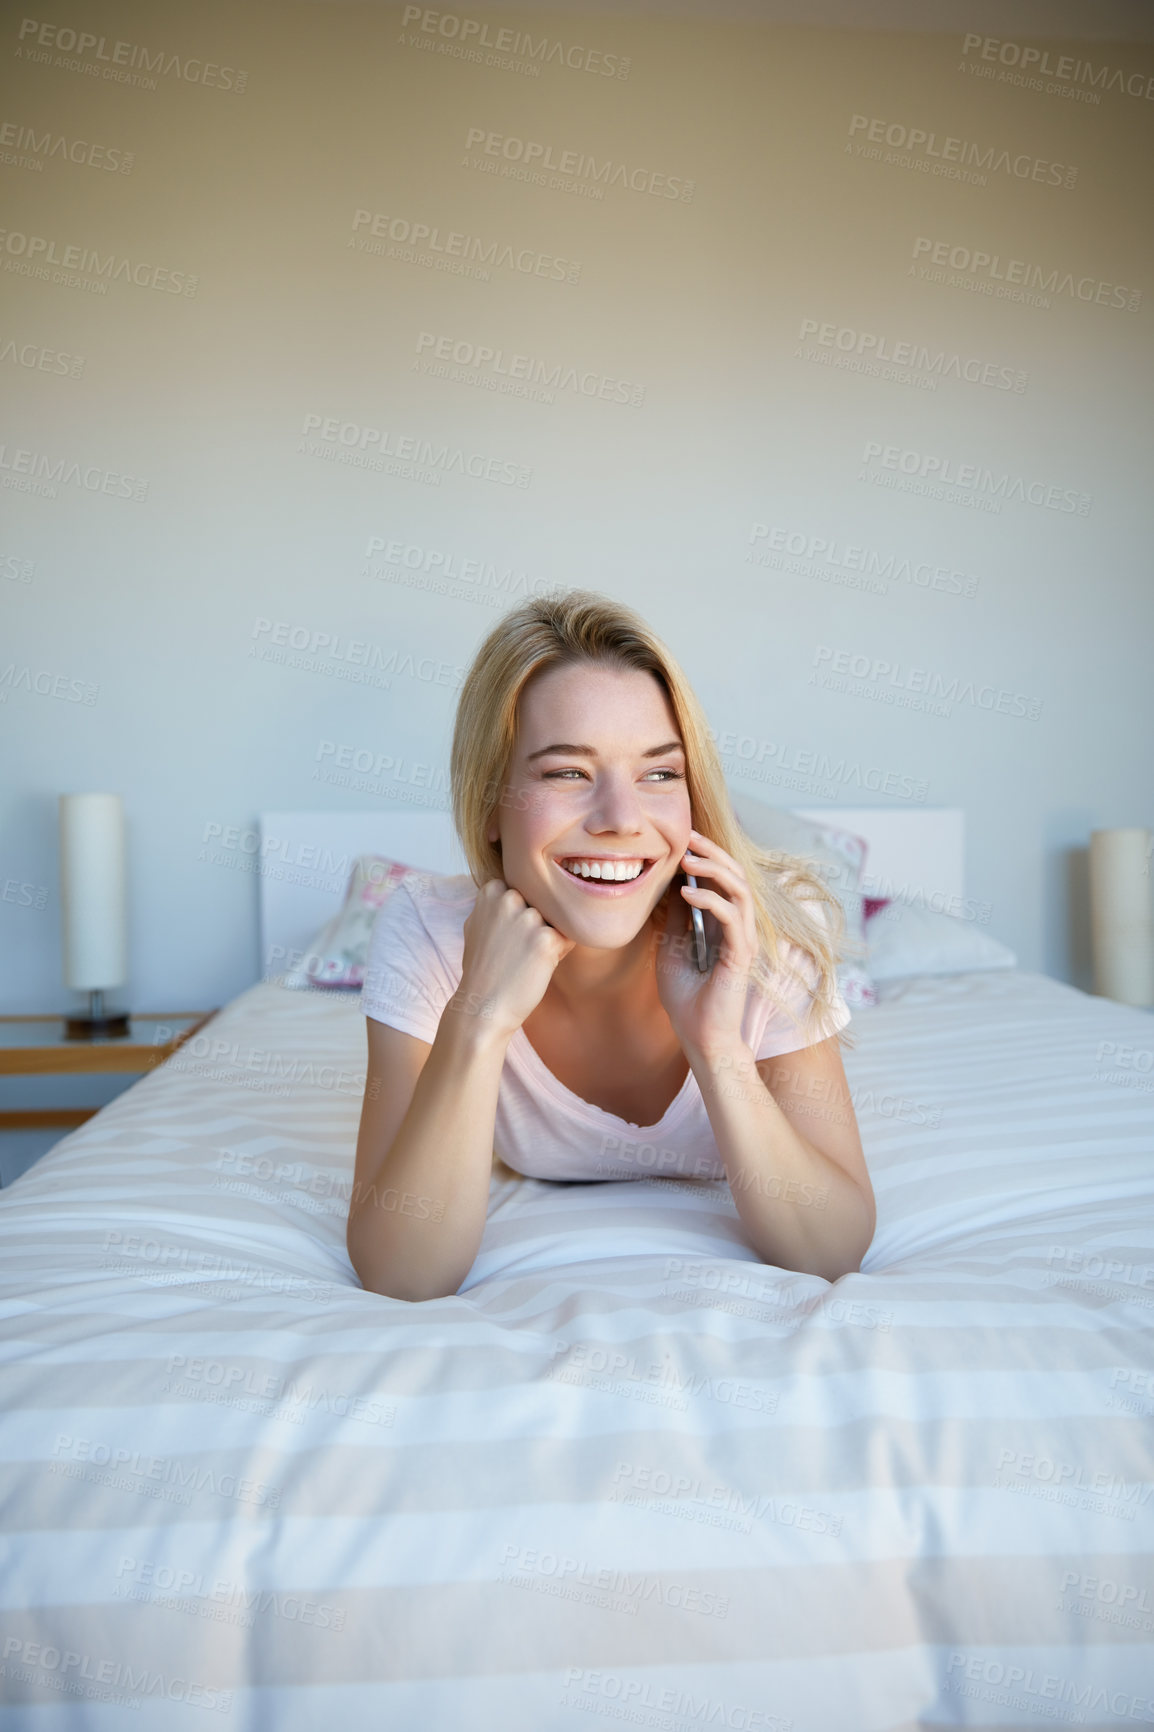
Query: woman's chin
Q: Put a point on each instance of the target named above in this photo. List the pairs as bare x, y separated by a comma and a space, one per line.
600, 931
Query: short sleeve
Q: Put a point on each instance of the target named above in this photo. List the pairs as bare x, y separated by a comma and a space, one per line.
780, 1033
407, 981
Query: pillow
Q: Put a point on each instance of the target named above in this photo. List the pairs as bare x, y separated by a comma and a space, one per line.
838, 859
909, 938
337, 955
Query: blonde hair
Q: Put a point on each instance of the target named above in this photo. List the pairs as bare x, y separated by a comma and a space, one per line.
584, 626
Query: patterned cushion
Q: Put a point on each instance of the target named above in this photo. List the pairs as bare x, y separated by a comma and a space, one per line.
336, 956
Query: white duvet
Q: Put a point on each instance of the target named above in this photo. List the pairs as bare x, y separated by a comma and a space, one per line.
629, 1473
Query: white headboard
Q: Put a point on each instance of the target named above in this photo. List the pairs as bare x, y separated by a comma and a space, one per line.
306, 858
922, 849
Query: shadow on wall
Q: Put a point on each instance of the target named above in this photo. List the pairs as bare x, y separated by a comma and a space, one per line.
1073, 892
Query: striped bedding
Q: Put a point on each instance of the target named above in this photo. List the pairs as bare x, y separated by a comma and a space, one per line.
629, 1475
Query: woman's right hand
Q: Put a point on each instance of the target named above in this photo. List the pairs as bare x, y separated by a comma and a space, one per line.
509, 959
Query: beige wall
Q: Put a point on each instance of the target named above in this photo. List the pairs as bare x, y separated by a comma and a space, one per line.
827, 347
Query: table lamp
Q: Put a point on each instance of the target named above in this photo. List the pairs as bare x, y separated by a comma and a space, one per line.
93, 908
1122, 915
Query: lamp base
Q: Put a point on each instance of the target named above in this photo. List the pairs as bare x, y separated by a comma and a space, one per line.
96, 1027
97, 1022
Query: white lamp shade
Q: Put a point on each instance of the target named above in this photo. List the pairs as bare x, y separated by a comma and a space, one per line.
1122, 915
93, 892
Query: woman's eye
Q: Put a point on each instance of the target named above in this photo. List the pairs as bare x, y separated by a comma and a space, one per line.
673, 775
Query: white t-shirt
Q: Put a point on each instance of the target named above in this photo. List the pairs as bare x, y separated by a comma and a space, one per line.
542, 1128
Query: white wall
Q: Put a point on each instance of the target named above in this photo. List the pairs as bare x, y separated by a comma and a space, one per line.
241, 307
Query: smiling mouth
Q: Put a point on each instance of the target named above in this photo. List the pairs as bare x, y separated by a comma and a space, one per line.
587, 872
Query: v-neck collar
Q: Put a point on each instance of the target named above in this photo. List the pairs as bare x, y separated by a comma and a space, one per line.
533, 1061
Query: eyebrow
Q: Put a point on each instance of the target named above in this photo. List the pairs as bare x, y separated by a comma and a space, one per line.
591, 752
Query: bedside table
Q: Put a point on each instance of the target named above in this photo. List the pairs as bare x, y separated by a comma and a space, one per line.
36, 1046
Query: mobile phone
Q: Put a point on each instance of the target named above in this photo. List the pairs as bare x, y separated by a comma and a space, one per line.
700, 950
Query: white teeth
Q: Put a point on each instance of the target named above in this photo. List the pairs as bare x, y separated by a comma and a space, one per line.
619, 872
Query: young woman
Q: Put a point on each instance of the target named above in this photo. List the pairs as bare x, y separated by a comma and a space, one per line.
547, 1006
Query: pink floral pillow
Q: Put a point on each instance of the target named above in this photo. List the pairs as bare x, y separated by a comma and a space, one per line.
337, 955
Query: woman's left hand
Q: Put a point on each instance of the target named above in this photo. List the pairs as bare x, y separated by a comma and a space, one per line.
706, 1010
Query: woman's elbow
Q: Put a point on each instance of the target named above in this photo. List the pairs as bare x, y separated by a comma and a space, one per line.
386, 1277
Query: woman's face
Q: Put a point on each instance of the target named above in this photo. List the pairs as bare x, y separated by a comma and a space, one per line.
597, 774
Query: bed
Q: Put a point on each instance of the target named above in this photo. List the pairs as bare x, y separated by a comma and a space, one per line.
628, 1473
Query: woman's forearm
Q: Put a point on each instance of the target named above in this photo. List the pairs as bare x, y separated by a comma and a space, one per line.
415, 1227
800, 1209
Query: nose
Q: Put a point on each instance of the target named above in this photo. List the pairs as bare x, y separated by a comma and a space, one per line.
617, 807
